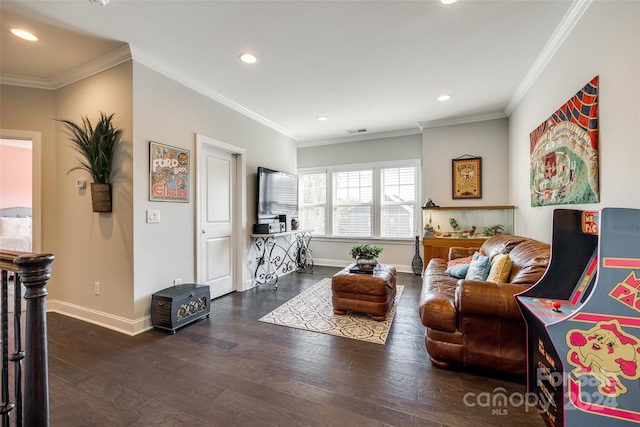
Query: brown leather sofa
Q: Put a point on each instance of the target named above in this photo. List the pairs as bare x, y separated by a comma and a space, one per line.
475, 323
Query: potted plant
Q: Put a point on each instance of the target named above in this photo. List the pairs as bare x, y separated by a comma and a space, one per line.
97, 146
365, 254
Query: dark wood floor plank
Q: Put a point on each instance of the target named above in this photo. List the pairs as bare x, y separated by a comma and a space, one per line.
72, 407
232, 370
123, 399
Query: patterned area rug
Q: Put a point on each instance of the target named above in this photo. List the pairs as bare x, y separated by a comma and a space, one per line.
312, 310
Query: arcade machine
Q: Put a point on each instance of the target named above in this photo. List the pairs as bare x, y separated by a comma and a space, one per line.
583, 321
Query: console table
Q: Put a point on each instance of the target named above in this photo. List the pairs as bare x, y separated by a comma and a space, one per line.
281, 253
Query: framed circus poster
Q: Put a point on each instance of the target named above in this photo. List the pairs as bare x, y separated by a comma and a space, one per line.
564, 152
466, 176
169, 173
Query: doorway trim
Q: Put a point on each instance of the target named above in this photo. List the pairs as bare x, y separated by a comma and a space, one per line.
240, 209
36, 177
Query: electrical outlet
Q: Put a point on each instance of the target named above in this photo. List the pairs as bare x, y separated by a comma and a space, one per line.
177, 282
96, 286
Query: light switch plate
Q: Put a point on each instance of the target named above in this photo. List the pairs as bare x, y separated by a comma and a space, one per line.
153, 216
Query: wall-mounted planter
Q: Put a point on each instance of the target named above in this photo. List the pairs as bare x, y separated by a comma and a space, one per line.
101, 197
97, 145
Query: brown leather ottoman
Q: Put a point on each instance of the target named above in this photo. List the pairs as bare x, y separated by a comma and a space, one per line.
364, 293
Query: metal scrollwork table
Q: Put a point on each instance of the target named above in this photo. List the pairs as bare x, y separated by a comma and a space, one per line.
277, 255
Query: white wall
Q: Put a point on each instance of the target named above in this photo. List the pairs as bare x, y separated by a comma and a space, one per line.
606, 42
88, 247
335, 251
130, 258
437, 147
487, 139
363, 151
169, 113
94, 247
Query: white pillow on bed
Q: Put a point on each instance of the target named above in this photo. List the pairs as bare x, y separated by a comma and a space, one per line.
13, 227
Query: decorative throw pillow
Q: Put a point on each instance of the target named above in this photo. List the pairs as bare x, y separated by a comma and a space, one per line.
500, 268
479, 267
456, 261
458, 271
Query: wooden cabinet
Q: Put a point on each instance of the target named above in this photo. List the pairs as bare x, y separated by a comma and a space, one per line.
438, 247
474, 224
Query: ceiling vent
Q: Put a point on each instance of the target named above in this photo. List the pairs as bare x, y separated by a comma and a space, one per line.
356, 130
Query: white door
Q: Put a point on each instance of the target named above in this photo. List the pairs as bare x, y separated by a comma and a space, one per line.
216, 199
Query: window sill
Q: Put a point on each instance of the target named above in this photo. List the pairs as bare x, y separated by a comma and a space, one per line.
375, 240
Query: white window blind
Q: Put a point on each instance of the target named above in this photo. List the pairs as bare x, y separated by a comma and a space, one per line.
398, 201
313, 202
374, 200
353, 203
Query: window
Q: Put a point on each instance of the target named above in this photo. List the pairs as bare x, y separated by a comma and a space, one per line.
313, 202
353, 203
398, 202
368, 201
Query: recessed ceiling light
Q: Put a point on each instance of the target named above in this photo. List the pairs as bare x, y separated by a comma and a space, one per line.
24, 34
99, 2
248, 58
444, 97
323, 118
448, 1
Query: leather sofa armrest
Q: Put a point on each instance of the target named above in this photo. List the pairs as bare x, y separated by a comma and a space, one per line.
460, 252
488, 299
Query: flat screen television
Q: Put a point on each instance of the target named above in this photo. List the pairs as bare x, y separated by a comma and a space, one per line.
277, 193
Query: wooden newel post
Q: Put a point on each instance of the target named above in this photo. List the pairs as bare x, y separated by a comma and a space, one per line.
35, 272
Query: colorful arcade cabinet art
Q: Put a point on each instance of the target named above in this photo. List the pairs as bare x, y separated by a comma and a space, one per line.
583, 321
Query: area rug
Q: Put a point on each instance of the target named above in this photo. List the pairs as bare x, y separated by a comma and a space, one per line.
312, 310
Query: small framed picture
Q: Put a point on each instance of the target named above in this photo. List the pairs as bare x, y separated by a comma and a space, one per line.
467, 179
169, 173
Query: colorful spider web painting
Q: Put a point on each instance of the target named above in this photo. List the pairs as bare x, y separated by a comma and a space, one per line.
564, 153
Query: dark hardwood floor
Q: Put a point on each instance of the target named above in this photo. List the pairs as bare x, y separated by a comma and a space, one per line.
232, 370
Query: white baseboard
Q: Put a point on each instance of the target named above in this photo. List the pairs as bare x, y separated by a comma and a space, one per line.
106, 320
138, 326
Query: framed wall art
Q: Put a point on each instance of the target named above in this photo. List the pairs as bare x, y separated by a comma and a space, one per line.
564, 152
467, 177
169, 173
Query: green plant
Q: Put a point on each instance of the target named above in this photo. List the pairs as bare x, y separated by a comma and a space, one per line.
454, 224
493, 230
97, 145
365, 250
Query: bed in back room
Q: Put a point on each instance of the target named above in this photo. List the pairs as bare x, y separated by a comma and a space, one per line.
15, 229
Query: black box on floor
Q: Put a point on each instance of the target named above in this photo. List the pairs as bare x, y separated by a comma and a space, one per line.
179, 305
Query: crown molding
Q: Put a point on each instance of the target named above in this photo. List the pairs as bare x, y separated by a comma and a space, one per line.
365, 137
173, 73
566, 26
88, 69
461, 120
127, 52
131, 52
32, 82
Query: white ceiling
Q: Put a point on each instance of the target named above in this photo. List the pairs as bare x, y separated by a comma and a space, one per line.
375, 65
